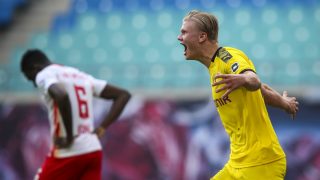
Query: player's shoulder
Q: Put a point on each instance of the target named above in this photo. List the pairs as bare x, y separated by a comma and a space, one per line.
71, 69
236, 52
64, 69
75, 72
224, 54
233, 51
53, 68
56, 69
49, 70
228, 53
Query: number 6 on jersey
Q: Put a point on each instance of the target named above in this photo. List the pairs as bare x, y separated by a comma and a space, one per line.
82, 103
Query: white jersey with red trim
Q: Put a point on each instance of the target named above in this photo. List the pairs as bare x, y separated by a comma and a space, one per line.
81, 89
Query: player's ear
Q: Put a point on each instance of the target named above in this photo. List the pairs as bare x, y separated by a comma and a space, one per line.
202, 37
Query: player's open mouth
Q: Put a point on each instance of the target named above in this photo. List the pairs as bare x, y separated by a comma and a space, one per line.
185, 48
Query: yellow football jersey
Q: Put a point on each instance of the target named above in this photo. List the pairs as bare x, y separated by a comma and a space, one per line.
243, 114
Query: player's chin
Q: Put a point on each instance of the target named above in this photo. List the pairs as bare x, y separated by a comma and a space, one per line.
188, 57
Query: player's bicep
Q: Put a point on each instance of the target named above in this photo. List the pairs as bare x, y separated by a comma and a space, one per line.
111, 92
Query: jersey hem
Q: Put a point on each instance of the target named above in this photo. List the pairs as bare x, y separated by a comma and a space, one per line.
75, 154
255, 164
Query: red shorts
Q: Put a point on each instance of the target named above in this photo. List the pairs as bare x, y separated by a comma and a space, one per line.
82, 167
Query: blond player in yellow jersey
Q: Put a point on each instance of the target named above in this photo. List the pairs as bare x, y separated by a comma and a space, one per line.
240, 99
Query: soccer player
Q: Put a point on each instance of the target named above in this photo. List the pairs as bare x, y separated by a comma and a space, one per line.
240, 99
76, 152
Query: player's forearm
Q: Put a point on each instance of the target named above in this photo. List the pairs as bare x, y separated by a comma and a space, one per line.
61, 98
65, 111
272, 97
117, 107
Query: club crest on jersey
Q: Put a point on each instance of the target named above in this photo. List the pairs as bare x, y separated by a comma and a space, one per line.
234, 67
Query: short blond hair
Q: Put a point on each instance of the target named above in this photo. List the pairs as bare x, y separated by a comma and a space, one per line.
206, 22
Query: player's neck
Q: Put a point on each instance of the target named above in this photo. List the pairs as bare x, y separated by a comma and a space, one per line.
208, 51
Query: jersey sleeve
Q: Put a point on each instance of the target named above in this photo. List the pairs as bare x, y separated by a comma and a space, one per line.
238, 64
45, 79
97, 84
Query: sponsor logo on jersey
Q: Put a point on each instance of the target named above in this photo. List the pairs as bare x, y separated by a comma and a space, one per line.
224, 55
222, 101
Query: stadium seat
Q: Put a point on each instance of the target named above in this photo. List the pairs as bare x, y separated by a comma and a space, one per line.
135, 43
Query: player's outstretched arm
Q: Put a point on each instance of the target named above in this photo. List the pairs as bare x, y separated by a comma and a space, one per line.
247, 79
120, 98
273, 98
61, 98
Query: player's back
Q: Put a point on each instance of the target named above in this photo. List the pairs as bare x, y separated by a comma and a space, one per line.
80, 88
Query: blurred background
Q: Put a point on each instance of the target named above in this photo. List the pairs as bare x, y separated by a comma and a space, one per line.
170, 130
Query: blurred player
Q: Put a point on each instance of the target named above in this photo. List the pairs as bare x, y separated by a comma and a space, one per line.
68, 93
240, 100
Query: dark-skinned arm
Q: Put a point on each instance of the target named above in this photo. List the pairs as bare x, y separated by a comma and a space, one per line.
61, 98
273, 98
120, 98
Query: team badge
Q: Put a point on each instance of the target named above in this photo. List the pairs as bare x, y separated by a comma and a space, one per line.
235, 67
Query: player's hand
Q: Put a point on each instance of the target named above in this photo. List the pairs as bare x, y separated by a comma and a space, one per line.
292, 104
230, 81
100, 131
62, 142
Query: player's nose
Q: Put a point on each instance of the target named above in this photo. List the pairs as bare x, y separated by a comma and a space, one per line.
179, 37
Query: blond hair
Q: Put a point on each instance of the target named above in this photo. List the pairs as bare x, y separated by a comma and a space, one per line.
206, 22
